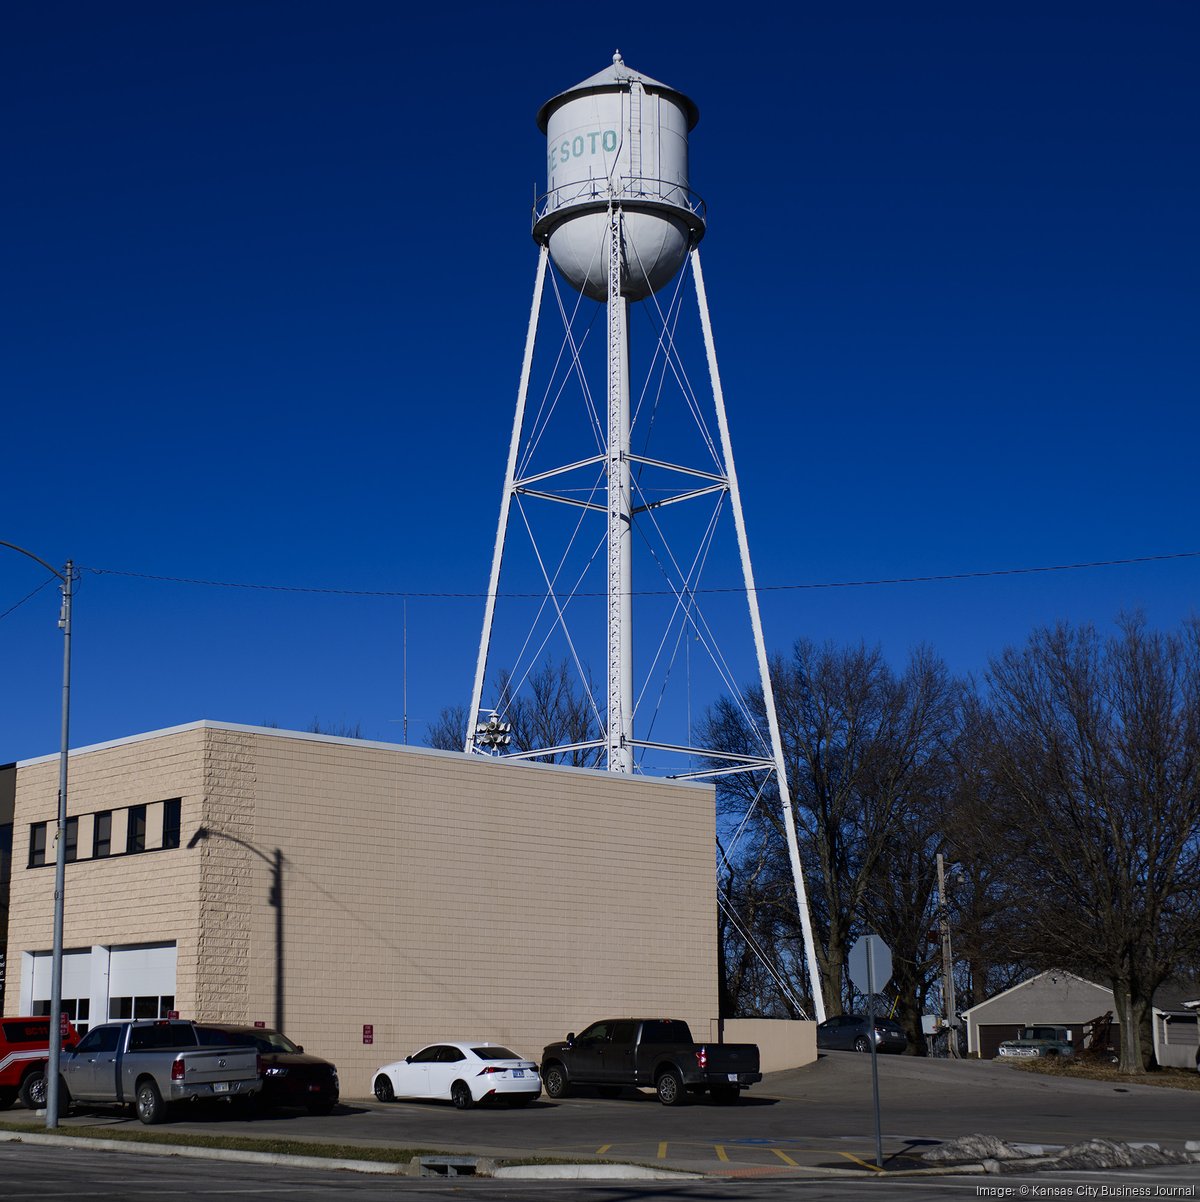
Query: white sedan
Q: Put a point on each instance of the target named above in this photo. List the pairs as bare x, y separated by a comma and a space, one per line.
463, 1072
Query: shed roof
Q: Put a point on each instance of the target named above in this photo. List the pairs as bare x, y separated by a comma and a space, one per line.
1030, 980
1174, 995
1171, 996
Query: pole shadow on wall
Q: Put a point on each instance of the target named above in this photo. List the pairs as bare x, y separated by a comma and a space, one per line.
275, 861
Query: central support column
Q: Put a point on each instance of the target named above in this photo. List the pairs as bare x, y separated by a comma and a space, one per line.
620, 526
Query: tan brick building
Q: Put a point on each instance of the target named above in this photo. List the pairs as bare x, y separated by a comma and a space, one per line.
251, 874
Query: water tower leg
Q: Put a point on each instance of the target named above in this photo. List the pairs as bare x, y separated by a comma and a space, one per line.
489, 609
785, 800
620, 521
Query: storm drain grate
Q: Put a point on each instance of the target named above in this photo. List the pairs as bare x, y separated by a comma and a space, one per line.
447, 1166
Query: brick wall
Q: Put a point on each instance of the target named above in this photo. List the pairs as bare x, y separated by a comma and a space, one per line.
123, 899
432, 895
426, 893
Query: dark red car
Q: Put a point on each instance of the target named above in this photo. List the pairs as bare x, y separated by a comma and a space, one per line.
291, 1077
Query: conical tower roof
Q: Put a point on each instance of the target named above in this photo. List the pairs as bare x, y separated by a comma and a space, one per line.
617, 75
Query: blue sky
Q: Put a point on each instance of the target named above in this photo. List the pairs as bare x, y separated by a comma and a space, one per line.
266, 273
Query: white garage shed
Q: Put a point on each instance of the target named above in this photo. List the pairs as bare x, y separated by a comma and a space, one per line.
1060, 998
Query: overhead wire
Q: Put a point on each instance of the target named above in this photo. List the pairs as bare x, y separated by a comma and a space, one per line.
872, 582
28, 597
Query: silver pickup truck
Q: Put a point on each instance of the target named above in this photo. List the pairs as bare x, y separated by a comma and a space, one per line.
151, 1064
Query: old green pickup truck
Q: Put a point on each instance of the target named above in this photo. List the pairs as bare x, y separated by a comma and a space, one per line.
1039, 1041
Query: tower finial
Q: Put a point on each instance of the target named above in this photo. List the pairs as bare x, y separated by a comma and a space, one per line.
618, 61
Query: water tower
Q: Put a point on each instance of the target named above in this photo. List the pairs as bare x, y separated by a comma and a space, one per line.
619, 221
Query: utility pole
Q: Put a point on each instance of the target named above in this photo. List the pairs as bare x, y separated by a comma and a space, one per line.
67, 576
947, 960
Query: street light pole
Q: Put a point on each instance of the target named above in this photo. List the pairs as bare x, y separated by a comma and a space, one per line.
60, 863
60, 860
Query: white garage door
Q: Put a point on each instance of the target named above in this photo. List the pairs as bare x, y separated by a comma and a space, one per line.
76, 975
76, 985
134, 981
141, 981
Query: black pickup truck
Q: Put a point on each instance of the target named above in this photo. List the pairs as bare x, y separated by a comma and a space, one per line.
654, 1052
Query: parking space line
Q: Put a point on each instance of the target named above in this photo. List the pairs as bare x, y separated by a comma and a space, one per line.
785, 1158
662, 1150
721, 1153
865, 1164
602, 1149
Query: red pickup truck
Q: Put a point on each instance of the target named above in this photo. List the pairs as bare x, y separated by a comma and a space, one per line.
24, 1053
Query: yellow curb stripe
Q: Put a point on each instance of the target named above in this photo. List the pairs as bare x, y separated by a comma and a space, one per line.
785, 1158
720, 1150
662, 1150
873, 1167
602, 1149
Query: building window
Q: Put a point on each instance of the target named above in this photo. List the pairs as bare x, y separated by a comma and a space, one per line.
6, 841
37, 844
76, 1009
72, 840
171, 814
135, 838
125, 1008
102, 835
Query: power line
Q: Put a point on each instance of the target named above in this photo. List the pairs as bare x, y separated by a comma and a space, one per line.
762, 588
27, 597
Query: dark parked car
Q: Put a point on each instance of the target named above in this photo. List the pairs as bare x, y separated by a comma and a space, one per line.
850, 1033
291, 1077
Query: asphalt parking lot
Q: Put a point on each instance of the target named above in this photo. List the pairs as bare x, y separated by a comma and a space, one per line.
816, 1117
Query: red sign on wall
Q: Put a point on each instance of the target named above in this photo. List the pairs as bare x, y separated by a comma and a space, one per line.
368, 1032
258, 1022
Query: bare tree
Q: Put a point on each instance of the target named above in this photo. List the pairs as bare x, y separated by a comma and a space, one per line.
318, 726
551, 711
1096, 778
343, 730
900, 906
899, 901
756, 935
987, 884
449, 732
863, 748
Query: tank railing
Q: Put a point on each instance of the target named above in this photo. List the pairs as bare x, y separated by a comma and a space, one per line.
625, 187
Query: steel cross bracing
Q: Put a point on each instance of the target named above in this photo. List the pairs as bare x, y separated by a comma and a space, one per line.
615, 458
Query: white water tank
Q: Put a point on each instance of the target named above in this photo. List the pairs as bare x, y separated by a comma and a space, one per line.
618, 136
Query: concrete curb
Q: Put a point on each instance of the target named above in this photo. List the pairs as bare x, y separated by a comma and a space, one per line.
567, 1172
193, 1153
529, 1172
591, 1172
517, 1172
